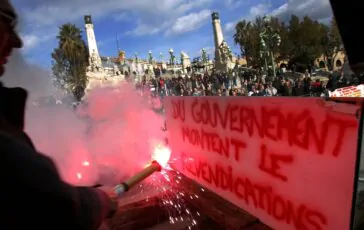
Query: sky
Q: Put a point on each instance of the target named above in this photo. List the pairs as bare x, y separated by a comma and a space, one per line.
143, 25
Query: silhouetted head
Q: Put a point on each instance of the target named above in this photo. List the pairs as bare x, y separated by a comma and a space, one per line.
9, 38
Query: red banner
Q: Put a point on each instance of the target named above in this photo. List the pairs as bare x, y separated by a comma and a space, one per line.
288, 161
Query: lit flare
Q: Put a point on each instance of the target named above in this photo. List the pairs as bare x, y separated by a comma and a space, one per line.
161, 154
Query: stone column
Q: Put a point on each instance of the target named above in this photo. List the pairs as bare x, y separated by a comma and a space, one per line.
91, 42
220, 64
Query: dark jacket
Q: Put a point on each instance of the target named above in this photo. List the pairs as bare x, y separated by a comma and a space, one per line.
32, 193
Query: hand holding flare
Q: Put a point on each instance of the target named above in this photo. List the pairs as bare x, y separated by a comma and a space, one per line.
160, 157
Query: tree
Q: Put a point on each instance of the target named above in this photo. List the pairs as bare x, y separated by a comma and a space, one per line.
306, 37
243, 38
284, 51
331, 42
256, 54
247, 37
70, 60
302, 41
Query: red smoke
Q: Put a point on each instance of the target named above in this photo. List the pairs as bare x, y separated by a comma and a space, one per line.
114, 131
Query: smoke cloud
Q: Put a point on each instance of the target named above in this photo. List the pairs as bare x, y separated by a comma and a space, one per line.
21, 73
109, 137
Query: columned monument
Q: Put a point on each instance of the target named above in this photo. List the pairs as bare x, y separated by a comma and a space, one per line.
95, 59
222, 54
100, 74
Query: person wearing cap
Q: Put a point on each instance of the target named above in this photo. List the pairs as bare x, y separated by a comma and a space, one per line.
33, 195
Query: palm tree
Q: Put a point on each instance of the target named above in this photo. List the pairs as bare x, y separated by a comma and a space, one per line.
71, 57
242, 37
70, 41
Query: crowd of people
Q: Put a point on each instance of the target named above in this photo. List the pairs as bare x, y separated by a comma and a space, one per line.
246, 82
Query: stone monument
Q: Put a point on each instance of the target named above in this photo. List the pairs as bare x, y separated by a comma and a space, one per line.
95, 59
116, 70
99, 75
185, 62
122, 57
222, 59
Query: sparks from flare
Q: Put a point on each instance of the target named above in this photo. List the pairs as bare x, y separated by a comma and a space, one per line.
161, 154
167, 185
172, 197
86, 164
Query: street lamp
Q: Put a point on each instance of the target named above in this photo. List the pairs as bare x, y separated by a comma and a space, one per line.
172, 57
150, 57
136, 57
269, 39
263, 54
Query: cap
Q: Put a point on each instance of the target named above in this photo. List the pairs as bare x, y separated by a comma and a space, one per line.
9, 17
7, 9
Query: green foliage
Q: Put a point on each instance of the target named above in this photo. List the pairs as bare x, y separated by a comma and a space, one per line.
331, 42
247, 36
70, 60
302, 41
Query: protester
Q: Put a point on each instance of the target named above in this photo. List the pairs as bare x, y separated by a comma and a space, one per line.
33, 194
247, 82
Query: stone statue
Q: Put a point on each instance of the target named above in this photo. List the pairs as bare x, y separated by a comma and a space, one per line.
184, 57
185, 61
224, 52
150, 57
94, 56
92, 65
204, 56
172, 60
108, 61
122, 57
230, 53
116, 70
136, 57
93, 62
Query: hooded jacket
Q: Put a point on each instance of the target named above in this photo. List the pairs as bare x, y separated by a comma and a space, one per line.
33, 194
